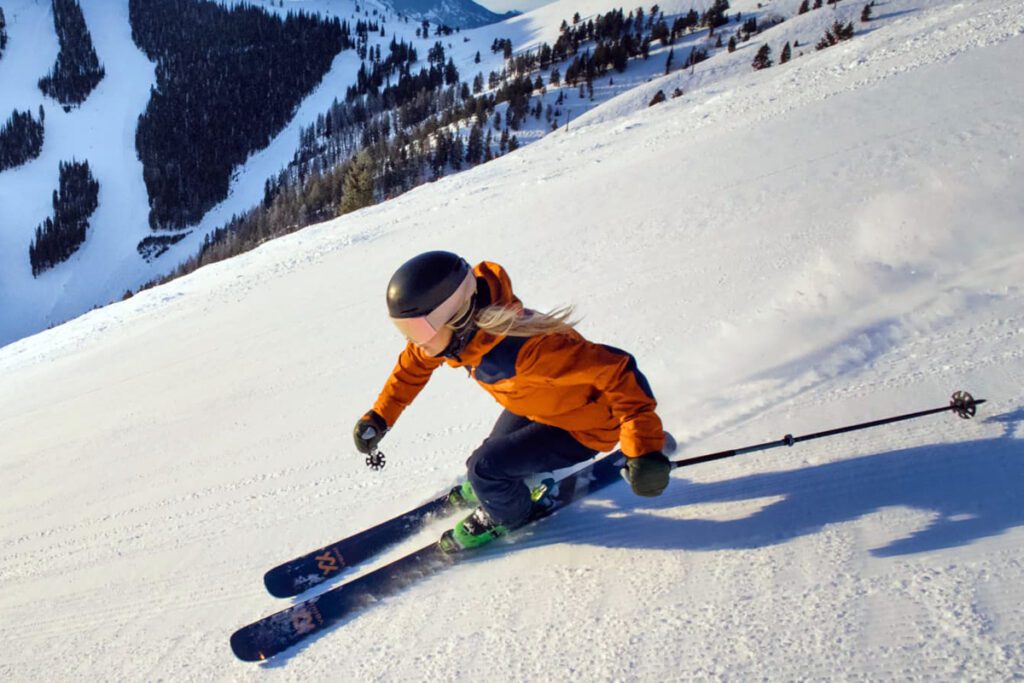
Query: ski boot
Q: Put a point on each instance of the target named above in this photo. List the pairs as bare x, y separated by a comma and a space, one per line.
472, 532
463, 496
478, 528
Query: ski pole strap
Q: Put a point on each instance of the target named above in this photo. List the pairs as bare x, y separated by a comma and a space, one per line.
961, 403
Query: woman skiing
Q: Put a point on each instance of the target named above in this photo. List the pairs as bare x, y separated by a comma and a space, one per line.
565, 399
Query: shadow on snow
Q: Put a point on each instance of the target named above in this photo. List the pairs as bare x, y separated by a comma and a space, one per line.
973, 490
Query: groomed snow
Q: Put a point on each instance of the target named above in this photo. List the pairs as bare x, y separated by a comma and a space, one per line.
826, 242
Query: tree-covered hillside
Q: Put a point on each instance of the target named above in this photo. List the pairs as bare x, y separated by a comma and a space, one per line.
73, 203
227, 81
78, 70
21, 139
408, 127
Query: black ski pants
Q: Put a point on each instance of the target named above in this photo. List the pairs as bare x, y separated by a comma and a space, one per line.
517, 448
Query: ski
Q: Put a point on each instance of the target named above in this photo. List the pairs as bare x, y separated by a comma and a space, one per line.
289, 627
302, 573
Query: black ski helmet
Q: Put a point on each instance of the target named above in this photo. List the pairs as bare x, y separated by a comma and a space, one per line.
424, 282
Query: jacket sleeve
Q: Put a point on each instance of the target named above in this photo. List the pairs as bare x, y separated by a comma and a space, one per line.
569, 359
411, 374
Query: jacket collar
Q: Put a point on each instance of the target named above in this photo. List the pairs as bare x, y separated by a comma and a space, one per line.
493, 286
478, 347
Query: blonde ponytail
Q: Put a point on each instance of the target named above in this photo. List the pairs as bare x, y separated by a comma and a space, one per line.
509, 321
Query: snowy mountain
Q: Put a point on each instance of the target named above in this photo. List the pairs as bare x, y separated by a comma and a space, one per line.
455, 13
102, 133
822, 242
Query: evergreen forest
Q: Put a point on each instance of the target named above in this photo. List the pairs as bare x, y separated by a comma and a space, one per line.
78, 70
228, 80
21, 139
58, 237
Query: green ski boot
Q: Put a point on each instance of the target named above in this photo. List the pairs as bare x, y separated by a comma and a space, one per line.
463, 496
479, 529
472, 532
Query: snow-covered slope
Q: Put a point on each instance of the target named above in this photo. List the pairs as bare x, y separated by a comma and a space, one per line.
821, 243
102, 132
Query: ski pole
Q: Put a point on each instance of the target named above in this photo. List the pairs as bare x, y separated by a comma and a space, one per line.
961, 403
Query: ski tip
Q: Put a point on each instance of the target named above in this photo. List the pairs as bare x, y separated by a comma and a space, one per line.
242, 646
278, 587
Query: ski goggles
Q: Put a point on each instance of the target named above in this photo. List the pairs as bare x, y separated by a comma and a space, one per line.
421, 329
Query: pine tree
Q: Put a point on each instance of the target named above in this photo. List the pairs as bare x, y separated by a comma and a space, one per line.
837, 33
475, 145
358, 187
865, 14
786, 53
732, 44
668, 62
805, 7
763, 58
456, 152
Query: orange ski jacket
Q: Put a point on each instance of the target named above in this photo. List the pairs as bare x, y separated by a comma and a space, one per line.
594, 392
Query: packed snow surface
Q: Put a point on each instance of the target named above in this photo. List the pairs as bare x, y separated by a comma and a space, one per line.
825, 242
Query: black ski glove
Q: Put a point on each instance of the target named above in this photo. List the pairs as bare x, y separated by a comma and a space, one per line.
370, 429
648, 474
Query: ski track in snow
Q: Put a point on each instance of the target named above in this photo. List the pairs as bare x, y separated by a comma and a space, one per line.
822, 243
